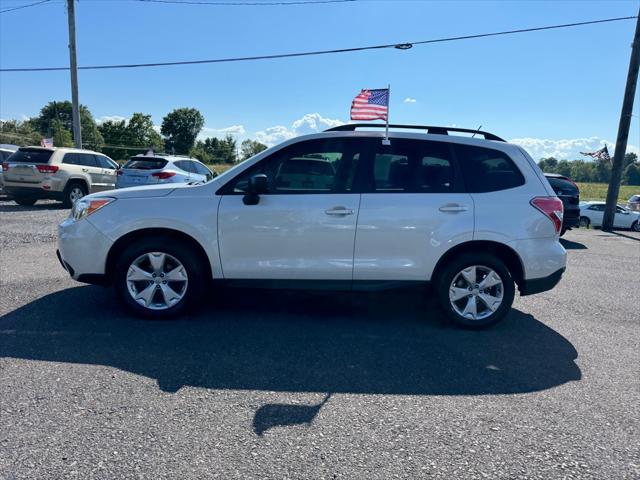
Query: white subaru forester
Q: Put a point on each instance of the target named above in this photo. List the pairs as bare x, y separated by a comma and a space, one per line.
344, 210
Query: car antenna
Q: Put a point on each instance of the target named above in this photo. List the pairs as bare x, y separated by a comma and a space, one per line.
477, 131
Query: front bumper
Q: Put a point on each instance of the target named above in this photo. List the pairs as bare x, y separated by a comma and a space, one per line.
82, 250
537, 285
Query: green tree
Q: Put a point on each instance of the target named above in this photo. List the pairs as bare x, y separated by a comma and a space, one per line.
137, 132
548, 165
563, 168
249, 148
631, 174
61, 136
180, 129
216, 150
581, 171
19, 133
61, 111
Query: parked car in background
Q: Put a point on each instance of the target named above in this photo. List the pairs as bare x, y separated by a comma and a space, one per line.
65, 174
569, 193
340, 210
591, 214
633, 203
159, 169
5, 152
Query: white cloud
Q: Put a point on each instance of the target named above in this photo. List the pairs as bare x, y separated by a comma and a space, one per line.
110, 118
565, 149
235, 130
410, 100
309, 123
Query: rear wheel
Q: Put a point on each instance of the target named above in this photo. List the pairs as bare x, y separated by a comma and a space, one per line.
72, 193
26, 202
159, 278
584, 222
475, 290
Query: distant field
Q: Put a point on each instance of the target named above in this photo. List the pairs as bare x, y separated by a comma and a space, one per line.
598, 191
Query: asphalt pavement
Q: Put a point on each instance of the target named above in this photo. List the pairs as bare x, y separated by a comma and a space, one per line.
316, 385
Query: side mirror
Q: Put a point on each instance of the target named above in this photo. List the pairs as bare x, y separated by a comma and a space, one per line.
258, 185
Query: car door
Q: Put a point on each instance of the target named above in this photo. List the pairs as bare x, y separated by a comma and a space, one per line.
89, 166
412, 210
596, 213
622, 218
109, 172
304, 227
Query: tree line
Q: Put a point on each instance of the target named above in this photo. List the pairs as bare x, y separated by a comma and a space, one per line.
595, 171
122, 139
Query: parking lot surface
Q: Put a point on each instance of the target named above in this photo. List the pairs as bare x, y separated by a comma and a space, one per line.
316, 385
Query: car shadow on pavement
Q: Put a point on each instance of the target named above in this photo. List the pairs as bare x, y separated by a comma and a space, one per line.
571, 245
382, 343
14, 207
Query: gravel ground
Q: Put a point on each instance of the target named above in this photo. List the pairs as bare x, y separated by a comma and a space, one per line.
316, 385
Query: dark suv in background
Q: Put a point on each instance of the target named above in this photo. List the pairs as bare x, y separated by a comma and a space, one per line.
569, 193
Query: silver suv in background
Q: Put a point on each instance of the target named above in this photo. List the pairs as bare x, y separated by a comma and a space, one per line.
5, 152
65, 174
160, 169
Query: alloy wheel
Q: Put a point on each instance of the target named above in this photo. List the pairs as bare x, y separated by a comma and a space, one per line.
476, 292
157, 280
75, 194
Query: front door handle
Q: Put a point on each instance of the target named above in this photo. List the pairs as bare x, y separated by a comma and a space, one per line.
85, 170
339, 211
453, 208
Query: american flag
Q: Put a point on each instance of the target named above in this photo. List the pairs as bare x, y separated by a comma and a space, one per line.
602, 154
370, 105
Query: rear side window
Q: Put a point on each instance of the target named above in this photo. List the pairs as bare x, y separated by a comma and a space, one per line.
185, 165
83, 159
487, 170
411, 166
26, 155
146, 163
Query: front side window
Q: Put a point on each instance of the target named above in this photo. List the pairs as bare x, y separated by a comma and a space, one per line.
487, 170
105, 162
411, 166
597, 208
314, 166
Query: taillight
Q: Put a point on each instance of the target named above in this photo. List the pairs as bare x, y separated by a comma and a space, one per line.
552, 207
47, 168
5, 166
163, 175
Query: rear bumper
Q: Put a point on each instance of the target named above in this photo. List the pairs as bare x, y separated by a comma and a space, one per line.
538, 285
571, 218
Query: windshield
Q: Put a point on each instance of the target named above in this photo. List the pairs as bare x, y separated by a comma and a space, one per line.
146, 164
31, 155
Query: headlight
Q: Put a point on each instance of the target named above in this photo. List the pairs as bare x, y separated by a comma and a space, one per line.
85, 207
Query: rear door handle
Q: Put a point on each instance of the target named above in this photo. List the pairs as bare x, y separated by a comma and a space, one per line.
453, 208
339, 211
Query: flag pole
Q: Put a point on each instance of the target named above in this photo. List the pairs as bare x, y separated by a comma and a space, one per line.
386, 129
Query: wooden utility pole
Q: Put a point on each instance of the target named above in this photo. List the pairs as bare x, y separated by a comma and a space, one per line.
623, 131
75, 106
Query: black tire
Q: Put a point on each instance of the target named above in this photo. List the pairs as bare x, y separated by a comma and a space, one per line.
447, 275
635, 226
69, 191
181, 252
585, 222
25, 201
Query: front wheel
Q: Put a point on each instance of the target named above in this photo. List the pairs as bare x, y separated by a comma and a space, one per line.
159, 278
636, 226
475, 290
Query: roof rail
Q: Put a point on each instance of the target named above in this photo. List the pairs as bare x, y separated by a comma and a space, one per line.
429, 128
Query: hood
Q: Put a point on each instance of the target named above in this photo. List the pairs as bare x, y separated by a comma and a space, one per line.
145, 191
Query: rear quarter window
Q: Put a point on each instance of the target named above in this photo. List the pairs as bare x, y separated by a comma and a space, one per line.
487, 170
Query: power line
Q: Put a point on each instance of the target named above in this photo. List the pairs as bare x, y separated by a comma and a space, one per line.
401, 46
24, 6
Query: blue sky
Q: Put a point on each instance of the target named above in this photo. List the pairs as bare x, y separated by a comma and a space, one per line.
556, 92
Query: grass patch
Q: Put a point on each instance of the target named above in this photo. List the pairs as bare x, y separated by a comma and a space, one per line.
598, 191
